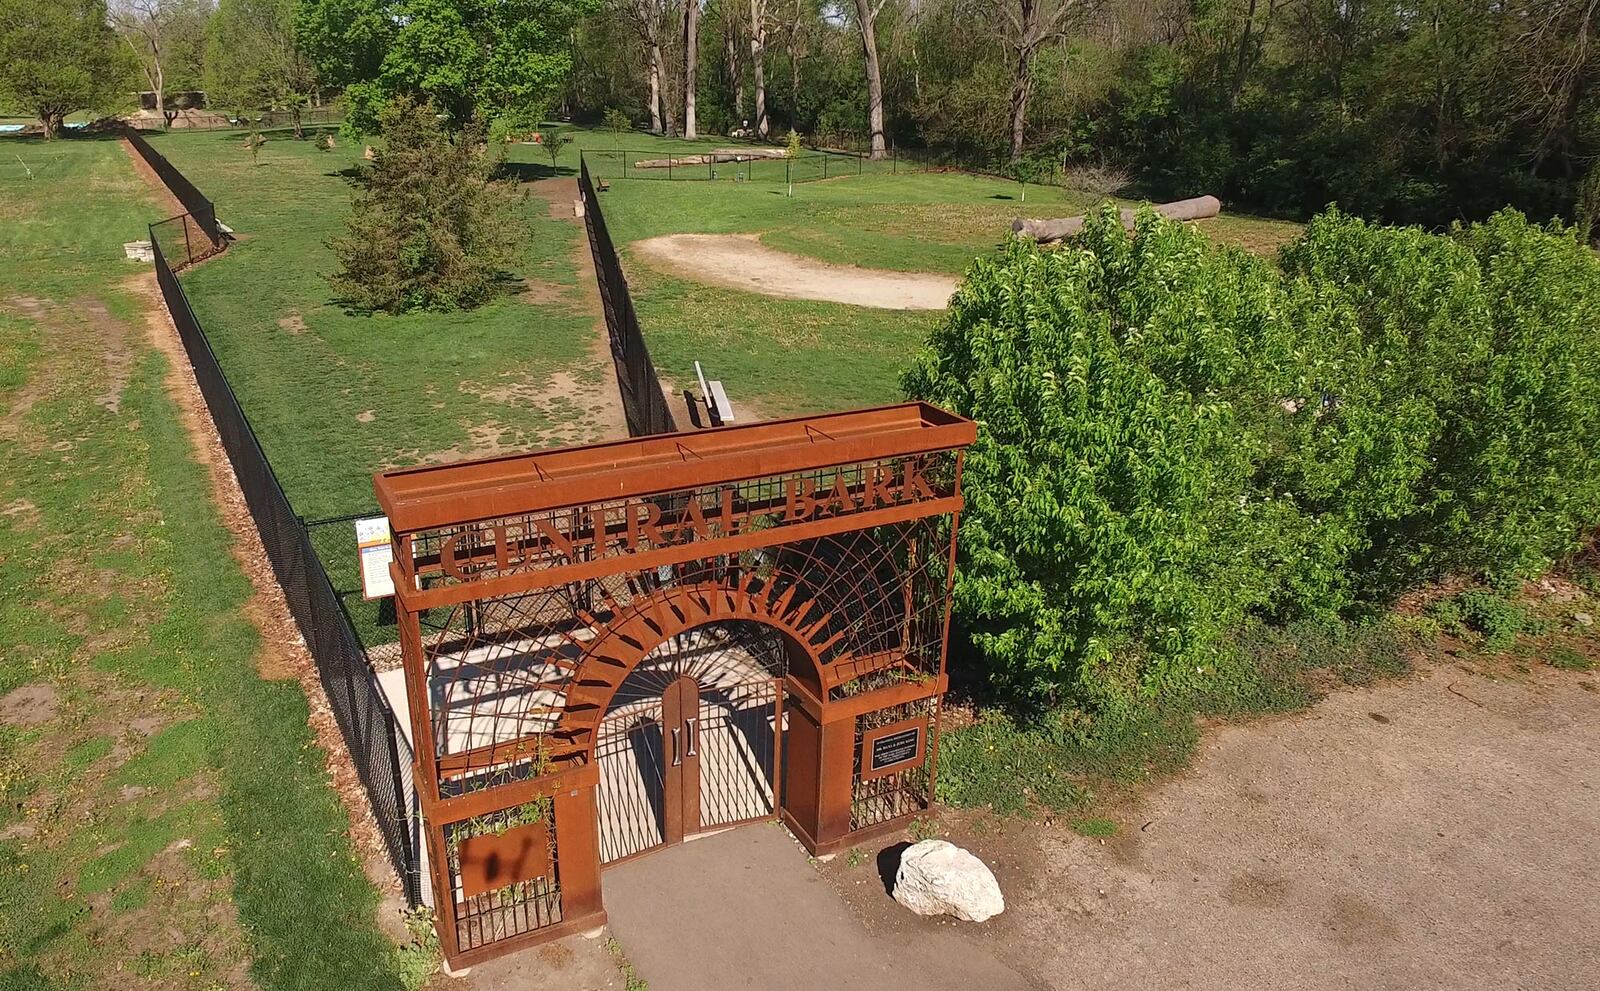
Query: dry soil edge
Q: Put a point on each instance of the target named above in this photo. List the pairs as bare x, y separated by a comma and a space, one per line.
741, 261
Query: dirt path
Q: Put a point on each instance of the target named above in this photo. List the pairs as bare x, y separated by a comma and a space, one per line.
741, 261
610, 422
1437, 832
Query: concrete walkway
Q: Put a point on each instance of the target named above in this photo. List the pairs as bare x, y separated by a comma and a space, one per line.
744, 909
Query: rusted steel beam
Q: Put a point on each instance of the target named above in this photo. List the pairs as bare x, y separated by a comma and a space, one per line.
436, 496
522, 581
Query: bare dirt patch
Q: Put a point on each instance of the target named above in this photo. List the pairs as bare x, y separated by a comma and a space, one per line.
741, 261
30, 705
293, 324
1449, 845
36, 387
114, 351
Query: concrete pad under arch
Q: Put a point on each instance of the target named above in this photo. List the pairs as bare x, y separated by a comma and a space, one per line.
744, 909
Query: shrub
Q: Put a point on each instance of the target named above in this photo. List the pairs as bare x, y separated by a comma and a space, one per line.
1113, 527
1486, 340
1175, 437
430, 229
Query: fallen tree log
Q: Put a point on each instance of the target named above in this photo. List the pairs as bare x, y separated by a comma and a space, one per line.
712, 157
1043, 231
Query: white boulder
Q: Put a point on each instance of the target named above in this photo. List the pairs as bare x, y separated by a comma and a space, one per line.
940, 878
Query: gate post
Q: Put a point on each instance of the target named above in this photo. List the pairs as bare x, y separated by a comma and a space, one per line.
578, 855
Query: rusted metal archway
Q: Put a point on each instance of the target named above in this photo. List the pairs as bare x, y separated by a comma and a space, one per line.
529, 588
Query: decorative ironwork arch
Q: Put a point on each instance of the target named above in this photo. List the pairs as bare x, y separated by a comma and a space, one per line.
650, 621
528, 589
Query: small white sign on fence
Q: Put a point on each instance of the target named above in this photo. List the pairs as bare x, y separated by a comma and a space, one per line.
372, 543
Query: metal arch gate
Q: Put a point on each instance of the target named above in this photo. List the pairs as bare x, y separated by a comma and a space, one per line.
688, 762
531, 589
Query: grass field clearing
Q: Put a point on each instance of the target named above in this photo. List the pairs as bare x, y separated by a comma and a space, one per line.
167, 818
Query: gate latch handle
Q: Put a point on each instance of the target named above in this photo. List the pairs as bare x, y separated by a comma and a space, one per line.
691, 729
677, 748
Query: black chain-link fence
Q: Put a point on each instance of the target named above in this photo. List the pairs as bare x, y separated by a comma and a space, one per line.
371, 730
731, 166
642, 401
202, 211
184, 239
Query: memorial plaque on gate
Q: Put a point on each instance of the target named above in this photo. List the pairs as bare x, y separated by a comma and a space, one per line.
891, 748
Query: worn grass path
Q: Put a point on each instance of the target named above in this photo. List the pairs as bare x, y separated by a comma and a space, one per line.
167, 818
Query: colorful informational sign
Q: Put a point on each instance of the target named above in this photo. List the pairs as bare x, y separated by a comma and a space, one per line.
372, 543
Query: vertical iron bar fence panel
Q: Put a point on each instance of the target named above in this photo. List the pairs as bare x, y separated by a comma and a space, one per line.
365, 719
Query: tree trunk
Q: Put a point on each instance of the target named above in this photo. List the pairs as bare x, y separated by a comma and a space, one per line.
51, 119
655, 87
1198, 208
794, 86
691, 58
758, 49
1241, 68
730, 48
1021, 90
869, 44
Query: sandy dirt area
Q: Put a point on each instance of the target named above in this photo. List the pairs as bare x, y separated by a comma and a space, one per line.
741, 261
1436, 832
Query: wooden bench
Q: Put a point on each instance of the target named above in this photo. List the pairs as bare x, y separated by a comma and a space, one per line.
604, 186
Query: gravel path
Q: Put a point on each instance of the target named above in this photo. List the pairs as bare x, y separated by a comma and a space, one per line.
741, 261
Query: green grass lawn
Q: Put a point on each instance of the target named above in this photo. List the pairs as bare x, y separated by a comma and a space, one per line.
781, 356
167, 820
335, 395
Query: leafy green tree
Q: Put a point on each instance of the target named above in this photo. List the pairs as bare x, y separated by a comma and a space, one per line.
254, 61
430, 228
62, 57
345, 39
1114, 527
168, 39
1174, 437
552, 140
617, 122
503, 60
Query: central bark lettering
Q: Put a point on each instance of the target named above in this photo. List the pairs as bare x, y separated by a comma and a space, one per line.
674, 520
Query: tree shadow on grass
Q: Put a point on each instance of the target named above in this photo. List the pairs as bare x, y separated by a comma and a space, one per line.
533, 171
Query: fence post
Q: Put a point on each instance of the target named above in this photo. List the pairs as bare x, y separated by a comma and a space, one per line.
824, 165
187, 250
859, 159
669, 165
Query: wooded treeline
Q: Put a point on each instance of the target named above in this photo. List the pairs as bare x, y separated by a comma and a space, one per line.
1420, 111
1415, 111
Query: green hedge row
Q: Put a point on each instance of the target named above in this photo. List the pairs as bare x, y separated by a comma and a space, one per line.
1176, 436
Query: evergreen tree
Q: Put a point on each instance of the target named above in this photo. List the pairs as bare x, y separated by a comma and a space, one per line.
430, 229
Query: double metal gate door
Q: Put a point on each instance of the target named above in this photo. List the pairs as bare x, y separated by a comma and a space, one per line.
697, 758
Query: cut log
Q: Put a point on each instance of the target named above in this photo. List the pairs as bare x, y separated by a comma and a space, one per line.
1043, 231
